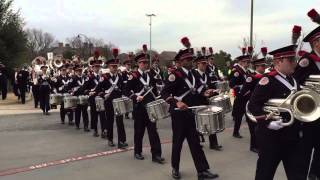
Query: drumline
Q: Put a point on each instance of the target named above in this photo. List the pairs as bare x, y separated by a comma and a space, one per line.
209, 119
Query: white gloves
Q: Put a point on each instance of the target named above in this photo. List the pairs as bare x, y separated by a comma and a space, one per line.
275, 125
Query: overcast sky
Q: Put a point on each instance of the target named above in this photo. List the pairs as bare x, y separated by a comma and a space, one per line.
221, 24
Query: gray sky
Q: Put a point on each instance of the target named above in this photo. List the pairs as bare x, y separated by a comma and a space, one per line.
221, 24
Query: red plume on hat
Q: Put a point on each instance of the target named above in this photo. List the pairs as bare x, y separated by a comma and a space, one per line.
264, 51
210, 50
145, 48
244, 50
186, 43
96, 53
115, 52
203, 50
250, 50
314, 15
296, 32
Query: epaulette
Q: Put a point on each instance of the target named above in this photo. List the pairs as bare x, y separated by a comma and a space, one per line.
135, 74
258, 76
178, 73
314, 57
272, 73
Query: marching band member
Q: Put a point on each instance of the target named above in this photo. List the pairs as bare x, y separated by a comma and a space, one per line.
212, 70
125, 74
23, 80
204, 81
90, 87
45, 87
3, 80
180, 92
139, 90
156, 72
76, 84
277, 142
246, 92
238, 77
62, 87
308, 65
110, 88
35, 86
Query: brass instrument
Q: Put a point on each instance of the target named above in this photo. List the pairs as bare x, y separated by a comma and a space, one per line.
303, 105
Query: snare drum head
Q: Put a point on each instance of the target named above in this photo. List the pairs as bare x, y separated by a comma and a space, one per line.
210, 110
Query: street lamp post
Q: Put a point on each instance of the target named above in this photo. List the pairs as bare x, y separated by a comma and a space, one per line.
251, 23
90, 45
150, 24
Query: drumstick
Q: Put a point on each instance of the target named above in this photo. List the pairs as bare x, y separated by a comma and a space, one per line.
192, 107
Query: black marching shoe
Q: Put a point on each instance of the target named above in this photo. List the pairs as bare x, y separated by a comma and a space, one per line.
71, 123
255, 150
95, 134
86, 129
158, 159
216, 147
47, 113
77, 128
237, 136
104, 135
175, 174
122, 145
62, 122
139, 156
110, 143
207, 175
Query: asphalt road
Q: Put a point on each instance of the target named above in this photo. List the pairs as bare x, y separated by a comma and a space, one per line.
32, 143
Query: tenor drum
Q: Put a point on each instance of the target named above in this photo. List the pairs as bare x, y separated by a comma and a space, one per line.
122, 105
83, 100
158, 109
209, 120
70, 102
222, 101
99, 104
55, 99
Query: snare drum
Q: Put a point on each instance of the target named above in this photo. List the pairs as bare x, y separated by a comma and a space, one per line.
70, 102
158, 109
223, 86
209, 120
83, 100
99, 104
222, 101
55, 99
122, 105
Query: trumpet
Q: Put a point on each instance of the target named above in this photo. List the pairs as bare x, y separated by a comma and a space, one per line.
303, 105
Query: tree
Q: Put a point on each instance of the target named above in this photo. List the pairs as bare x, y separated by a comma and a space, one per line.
38, 42
221, 59
12, 37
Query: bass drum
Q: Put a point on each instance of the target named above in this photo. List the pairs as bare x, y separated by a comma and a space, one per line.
209, 120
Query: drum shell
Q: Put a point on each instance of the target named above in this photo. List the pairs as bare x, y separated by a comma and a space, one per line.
209, 122
99, 104
222, 101
122, 105
158, 109
83, 100
70, 102
55, 99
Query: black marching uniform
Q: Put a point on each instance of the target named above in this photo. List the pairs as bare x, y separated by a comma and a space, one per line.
246, 92
62, 88
308, 65
237, 79
76, 84
125, 75
111, 88
45, 88
276, 143
182, 86
138, 84
23, 80
3, 81
35, 88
